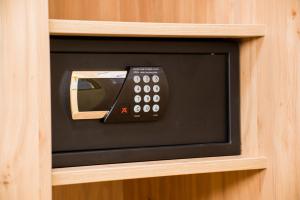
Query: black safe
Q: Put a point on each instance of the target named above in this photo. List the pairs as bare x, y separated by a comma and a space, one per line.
139, 99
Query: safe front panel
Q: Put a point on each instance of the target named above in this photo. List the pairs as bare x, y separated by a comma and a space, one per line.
199, 115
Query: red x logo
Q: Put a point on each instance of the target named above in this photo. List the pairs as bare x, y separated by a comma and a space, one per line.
124, 110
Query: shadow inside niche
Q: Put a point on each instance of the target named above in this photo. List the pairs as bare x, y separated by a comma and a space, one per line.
194, 187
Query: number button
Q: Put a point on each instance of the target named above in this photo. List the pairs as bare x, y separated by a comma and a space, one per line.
146, 108
146, 79
155, 79
155, 108
156, 88
137, 89
147, 98
147, 88
137, 98
137, 108
156, 98
136, 79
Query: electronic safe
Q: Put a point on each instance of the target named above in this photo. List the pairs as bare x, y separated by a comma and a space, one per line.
140, 99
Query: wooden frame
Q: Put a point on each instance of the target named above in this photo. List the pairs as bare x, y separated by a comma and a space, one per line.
98, 173
112, 172
25, 137
270, 121
144, 29
270, 97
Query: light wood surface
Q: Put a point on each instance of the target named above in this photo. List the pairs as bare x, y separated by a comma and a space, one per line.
96, 191
269, 95
97, 173
191, 187
25, 155
140, 29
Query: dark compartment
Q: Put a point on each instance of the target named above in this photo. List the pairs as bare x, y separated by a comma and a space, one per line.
201, 118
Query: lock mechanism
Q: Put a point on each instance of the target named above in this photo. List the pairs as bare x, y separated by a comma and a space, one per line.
139, 94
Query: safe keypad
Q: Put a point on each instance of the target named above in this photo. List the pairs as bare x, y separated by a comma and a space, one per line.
146, 89
143, 96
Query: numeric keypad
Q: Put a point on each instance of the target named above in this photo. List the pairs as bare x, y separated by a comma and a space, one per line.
143, 96
146, 88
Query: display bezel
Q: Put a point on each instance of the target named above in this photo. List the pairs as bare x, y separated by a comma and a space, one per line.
76, 75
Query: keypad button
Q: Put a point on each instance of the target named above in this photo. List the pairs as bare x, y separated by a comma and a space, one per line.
156, 98
147, 88
155, 79
137, 98
146, 108
156, 88
147, 98
136, 79
155, 108
137, 108
146, 79
137, 89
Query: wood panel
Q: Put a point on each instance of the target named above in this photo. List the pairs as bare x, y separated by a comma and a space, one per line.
25, 153
179, 11
90, 191
278, 96
123, 171
193, 187
147, 29
270, 81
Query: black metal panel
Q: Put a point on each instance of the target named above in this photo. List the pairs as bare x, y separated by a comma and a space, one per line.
202, 114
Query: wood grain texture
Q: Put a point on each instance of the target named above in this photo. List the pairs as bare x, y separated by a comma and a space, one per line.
179, 11
25, 153
270, 81
96, 173
193, 187
142, 29
102, 191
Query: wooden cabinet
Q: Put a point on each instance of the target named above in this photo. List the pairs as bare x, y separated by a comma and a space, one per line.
269, 100
25, 137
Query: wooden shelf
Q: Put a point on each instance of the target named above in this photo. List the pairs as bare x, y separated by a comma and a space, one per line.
146, 29
111, 172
